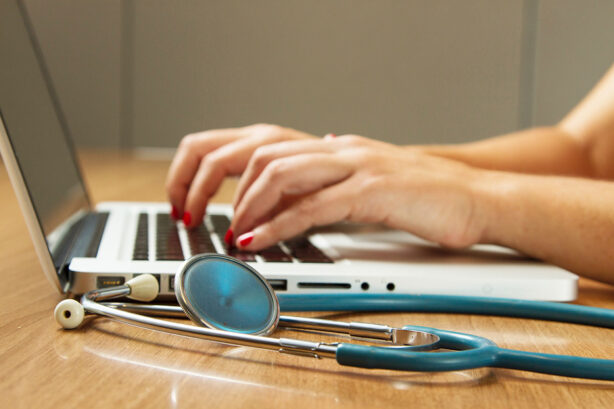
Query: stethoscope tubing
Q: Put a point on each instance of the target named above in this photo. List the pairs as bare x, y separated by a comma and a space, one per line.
503, 307
471, 352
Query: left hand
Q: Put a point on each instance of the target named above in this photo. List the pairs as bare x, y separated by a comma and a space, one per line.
289, 187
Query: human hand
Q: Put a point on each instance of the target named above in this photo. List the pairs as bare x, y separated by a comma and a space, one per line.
355, 179
203, 159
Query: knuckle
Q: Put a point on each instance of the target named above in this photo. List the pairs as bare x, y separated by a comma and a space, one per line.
305, 213
261, 156
372, 184
257, 126
308, 206
188, 141
354, 140
265, 128
211, 161
275, 170
360, 156
267, 132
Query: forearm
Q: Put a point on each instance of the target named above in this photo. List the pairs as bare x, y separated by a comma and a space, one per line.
565, 221
538, 151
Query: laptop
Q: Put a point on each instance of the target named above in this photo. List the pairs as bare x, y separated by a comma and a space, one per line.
83, 247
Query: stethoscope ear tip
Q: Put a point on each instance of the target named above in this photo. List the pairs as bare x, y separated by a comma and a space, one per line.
69, 313
143, 287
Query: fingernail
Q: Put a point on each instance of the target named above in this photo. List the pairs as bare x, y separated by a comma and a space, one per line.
329, 136
228, 237
187, 218
246, 238
175, 213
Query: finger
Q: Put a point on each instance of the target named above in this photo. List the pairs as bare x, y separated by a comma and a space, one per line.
295, 175
268, 153
187, 160
323, 207
230, 159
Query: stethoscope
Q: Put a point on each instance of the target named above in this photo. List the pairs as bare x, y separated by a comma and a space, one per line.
233, 304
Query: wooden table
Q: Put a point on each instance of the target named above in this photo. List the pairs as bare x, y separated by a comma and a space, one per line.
108, 364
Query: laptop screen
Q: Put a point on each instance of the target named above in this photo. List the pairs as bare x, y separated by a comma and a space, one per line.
35, 126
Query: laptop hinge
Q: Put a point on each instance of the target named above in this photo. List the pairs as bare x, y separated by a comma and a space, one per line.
81, 240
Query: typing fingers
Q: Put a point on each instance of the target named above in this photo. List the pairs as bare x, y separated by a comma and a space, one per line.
264, 155
204, 159
293, 175
325, 206
230, 159
192, 149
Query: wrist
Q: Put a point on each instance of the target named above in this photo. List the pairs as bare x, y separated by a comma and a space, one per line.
496, 207
433, 150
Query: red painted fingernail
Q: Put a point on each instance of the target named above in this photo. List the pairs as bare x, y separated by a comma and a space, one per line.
187, 218
329, 135
174, 213
245, 239
228, 237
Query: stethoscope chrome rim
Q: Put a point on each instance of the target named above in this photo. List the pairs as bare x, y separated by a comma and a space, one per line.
189, 309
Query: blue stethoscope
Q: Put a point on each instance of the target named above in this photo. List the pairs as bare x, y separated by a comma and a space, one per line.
233, 304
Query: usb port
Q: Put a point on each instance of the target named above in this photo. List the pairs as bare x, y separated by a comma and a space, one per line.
106, 281
278, 285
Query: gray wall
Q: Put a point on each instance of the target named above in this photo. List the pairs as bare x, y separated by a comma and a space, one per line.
81, 43
144, 73
575, 44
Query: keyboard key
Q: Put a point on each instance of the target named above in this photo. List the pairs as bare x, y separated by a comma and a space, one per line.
242, 255
220, 223
305, 252
275, 254
141, 242
200, 240
168, 245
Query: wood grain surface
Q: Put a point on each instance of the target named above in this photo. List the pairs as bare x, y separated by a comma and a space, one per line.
108, 364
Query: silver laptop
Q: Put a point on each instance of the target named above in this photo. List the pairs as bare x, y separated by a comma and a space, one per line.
82, 248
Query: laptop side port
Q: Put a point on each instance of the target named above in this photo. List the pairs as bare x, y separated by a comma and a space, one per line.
278, 284
327, 286
109, 281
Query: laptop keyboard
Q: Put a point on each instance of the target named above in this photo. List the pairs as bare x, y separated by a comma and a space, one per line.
168, 243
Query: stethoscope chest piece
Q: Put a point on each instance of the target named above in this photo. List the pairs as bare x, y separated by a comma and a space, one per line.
219, 292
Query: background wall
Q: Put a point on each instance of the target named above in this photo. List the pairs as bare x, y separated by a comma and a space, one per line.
145, 72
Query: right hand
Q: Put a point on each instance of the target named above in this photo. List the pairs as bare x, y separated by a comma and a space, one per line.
290, 187
203, 159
